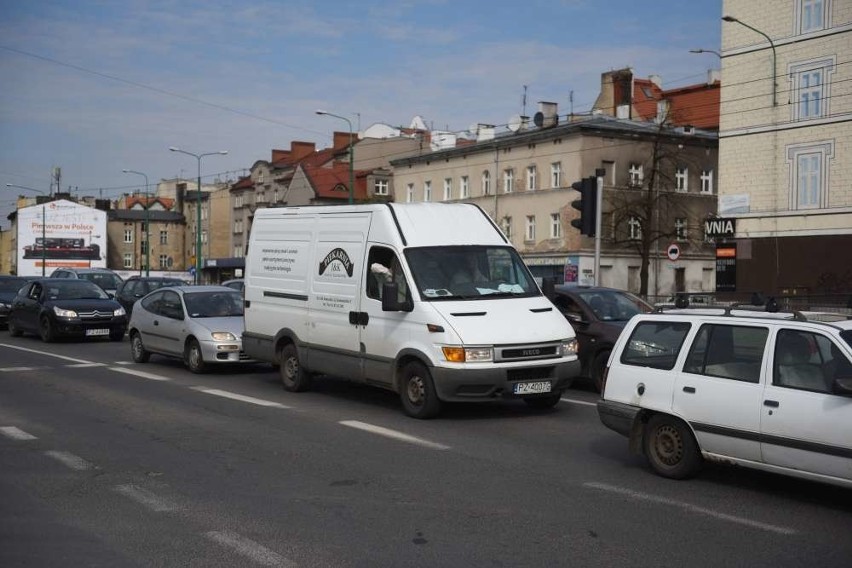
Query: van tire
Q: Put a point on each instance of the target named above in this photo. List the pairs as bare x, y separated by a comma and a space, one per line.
670, 447
417, 392
294, 377
543, 402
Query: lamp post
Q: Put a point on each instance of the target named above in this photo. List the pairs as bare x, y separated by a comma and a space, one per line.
198, 212
771, 44
351, 152
147, 224
43, 226
699, 50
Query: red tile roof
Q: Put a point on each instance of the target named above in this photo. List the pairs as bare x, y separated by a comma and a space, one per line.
167, 202
333, 182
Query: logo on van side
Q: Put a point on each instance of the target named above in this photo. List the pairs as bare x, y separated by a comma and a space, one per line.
340, 256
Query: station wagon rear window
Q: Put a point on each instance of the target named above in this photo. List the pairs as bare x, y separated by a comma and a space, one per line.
655, 344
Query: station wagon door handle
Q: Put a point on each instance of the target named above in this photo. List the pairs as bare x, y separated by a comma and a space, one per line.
771, 403
156, 322
690, 390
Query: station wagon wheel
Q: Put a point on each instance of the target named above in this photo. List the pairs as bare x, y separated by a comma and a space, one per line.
45, 330
137, 348
417, 392
14, 331
192, 357
294, 376
671, 448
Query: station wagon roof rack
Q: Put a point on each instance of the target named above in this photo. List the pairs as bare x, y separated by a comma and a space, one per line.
769, 310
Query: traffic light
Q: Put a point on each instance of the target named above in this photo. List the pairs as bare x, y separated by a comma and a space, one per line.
587, 205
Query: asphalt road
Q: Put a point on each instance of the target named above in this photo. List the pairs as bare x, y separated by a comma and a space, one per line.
104, 462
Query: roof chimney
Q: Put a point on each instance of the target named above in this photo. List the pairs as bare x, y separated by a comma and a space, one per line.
713, 75
484, 132
301, 150
547, 114
657, 80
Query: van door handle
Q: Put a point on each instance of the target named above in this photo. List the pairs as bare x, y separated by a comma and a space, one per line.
690, 390
359, 318
771, 403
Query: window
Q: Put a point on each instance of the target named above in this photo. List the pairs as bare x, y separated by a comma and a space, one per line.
810, 82
128, 235
486, 183
556, 175
530, 232
506, 225
448, 189
143, 247
635, 175
164, 261
204, 237
728, 351
238, 251
427, 191
238, 226
508, 180
555, 226
409, 192
238, 200
531, 178
260, 197
634, 229
707, 181
808, 361
128, 260
164, 237
381, 187
464, 187
388, 270
682, 179
275, 196
681, 229
812, 15
655, 344
204, 212
808, 174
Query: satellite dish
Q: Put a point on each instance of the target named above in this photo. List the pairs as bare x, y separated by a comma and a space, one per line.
538, 119
514, 123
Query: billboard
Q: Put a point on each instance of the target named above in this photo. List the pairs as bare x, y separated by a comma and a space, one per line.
60, 234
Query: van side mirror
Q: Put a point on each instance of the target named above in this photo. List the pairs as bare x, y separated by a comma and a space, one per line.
390, 299
548, 287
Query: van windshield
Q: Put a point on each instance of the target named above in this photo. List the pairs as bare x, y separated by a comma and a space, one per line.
469, 272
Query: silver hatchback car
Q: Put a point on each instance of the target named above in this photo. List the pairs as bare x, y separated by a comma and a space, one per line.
202, 325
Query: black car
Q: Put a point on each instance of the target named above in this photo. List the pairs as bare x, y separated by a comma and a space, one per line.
597, 315
56, 307
137, 286
9, 286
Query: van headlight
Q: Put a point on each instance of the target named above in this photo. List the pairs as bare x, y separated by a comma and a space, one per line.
223, 336
64, 313
468, 354
569, 347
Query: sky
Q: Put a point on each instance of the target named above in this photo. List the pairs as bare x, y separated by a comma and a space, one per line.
94, 86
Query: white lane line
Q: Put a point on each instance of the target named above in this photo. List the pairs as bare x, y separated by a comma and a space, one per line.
145, 498
123, 363
240, 397
142, 374
49, 354
250, 549
16, 433
74, 462
393, 434
574, 401
690, 508
13, 369
84, 365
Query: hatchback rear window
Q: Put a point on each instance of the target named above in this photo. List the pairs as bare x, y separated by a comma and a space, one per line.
655, 344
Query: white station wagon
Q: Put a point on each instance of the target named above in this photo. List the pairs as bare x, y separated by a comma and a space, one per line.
772, 391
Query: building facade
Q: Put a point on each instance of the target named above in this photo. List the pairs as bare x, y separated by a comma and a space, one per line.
785, 152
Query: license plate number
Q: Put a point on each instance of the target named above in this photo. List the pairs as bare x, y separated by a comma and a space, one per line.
532, 388
97, 332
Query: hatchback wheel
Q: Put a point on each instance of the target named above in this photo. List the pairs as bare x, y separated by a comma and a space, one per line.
193, 358
137, 348
14, 330
45, 330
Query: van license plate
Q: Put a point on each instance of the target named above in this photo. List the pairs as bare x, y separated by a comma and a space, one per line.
97, 332
532, 388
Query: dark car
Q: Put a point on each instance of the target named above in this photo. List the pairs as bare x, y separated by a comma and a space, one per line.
597, 315
137, 286
57, 307
9, 286
103, 277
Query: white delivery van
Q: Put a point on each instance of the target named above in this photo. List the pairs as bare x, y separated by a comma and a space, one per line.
428, 300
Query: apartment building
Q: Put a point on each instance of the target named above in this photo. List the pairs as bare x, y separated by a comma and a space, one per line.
785, 155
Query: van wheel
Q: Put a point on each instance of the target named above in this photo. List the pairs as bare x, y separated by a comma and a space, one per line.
137, 348
542, 402
597, 370
294, 377
671, 448
419, 398
193, 358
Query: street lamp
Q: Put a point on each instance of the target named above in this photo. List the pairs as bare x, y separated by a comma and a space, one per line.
699, 50
43, 226
351, 152
147, 224
771, 44
198, 212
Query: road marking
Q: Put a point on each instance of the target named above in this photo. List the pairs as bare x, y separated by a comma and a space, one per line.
74, 462
16, 433
84, 365
573, 401
142, 374
44, 353
392, 434
13, 369
145, 498
240, 397
123, 363
250, 549
690, 508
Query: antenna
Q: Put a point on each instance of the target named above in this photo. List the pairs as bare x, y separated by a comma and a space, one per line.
571, 101
524, 113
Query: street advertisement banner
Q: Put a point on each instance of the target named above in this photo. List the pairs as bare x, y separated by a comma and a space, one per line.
60, 234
